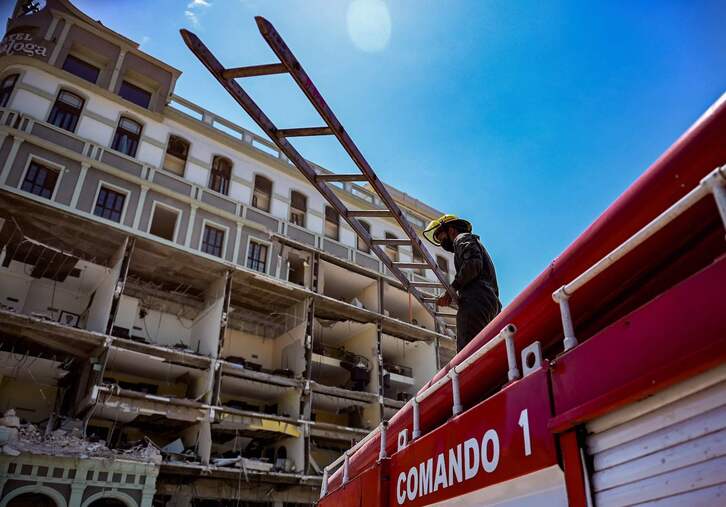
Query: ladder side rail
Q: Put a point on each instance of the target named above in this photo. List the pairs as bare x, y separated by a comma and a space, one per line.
283, 52
249, 105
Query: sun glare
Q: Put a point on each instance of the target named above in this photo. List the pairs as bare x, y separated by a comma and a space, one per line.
369, 24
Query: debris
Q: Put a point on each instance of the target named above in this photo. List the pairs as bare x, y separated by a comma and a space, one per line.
254, 464
174, 447
148, 452
223, 462
9, 419
72, 426
7, 434
10, 451
17, 438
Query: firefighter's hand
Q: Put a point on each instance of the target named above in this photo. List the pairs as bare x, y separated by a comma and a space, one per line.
444, 299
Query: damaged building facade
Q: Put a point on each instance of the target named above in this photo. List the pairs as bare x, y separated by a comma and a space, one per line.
183, 320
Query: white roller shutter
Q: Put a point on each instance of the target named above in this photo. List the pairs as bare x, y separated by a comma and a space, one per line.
666, 450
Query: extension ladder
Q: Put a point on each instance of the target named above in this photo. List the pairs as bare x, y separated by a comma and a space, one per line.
289, 64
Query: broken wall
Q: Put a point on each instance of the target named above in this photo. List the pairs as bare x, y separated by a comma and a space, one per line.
205, 330
100, 308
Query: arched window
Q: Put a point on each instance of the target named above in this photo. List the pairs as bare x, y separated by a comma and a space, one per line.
221, 174
392, 250
332, 223
6, 89
66, 110
362, 245
298, 208
177, 152
107, 502
127, 136
32, 499
262, 195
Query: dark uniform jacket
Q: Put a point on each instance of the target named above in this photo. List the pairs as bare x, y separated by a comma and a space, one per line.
476, 284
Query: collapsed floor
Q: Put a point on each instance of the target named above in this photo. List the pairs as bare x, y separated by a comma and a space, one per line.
229, 383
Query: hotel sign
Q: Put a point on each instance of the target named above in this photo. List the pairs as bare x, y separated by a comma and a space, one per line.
21, 43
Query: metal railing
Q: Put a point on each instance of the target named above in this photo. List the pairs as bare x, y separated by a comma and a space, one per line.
506, 335
714, 183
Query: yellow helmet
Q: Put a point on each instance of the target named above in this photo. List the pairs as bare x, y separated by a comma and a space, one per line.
448, 219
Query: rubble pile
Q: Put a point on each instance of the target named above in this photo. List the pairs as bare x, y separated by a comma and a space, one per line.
17, 438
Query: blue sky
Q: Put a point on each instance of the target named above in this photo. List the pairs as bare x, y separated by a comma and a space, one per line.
527, 117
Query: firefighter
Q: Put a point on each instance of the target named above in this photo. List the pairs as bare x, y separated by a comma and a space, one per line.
475, 282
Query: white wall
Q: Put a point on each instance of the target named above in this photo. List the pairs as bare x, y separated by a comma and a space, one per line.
150, 154
127, 312
295, 451
291, 350
100, 310
347, 236
419, 356
364, 344
205, 330
39, 79
42, 295
37, 295
423, 361
369, 297
164, 329
31, 104
237, 191
15, 284
290, 345
247, 345
289, 403
95, 131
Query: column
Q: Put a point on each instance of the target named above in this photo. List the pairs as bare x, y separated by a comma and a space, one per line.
117, 70
140, 206
61, 41
79, 184
10, 160
190, 225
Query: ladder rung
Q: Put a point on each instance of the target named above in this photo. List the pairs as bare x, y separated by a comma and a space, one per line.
305, 131
425, 284
254, 70
391, 241
446, 314
341, 177
432, 299
370, 213
412, 265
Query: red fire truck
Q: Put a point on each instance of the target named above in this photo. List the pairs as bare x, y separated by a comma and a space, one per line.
603, 383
